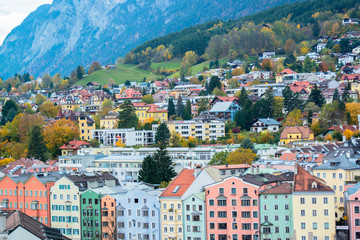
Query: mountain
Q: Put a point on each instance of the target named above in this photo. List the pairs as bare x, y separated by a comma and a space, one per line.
196, 38
67, 33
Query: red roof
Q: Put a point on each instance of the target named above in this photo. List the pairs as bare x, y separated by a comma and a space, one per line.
342, 128
153, 108
180, 184
305, 182
286, 71
227, 99
73, 145
352, 76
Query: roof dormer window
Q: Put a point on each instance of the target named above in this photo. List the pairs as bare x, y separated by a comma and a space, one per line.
314, 185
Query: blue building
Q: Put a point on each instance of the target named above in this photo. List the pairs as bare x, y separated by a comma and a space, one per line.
138, 214
224, 110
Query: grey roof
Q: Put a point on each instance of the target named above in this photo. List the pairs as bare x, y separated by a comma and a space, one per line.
50, 177
269, 121
221, 106
341, 162
353, 189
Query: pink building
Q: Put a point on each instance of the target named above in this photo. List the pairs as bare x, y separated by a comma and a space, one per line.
352, 196
232, 210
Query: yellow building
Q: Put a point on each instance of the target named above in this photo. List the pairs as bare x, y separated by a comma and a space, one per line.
203, 130
292, 134
65, 208
146, 112
171, 205
313, 208
335, 173
109, 121
86, 124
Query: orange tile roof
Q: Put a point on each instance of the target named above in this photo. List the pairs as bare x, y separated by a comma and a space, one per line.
286, 71
288, 157
182, 182
304, 182
304, 131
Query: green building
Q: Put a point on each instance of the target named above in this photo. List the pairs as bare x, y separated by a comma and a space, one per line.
90, 215
276, 220
194, 217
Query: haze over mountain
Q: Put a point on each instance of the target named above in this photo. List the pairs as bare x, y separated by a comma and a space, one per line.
60, 36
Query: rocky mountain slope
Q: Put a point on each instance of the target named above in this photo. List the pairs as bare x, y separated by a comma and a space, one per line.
59, 37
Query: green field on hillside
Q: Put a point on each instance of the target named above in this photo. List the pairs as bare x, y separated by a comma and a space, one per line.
119, 75
172, 64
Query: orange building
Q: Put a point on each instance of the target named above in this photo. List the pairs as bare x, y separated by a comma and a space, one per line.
108, 217
29, 194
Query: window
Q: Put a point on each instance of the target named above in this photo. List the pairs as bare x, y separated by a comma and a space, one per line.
255, 202
245, 214
234, 214
357, 222
245, 202
222, 214
326, 225
245, 191
233, 202
234, 226
326, 200
276, 207
266, 230
303, 225
334, 175
314, 225
211, 202
276, 229
256, 226
340, 175
212, 225
221, 190
233, 191
212, 214
357, 209
302, 200
314, 213
326, 212
222, 226
255, 214
286, 206
313, 200
246, 226
302, 212
221, 203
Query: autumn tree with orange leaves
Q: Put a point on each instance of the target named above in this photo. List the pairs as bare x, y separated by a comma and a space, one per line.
58, 133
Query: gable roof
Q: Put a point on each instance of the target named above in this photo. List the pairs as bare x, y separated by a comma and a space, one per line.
304, 131
304, 182
341, 162
221, 106
180, 184
73, 145
16, 218
286, 71
283, 188
269, 121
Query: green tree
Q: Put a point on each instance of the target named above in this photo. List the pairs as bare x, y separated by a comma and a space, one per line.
309, 118
171, 108
165, 164
9, 109
180, 109
149, 171
217, 92
39, 99
187, 112
244, 117
247, 144
127, 116
243, 97
214, 83
291, 100
336, 96
219, 158
80, 72
309, 65
36, 145
189, 60
337, 135
316, 29
202, 105
316, 96
148, 99
162, 135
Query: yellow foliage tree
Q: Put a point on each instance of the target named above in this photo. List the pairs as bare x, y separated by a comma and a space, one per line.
293, 118
58, 133
241, 156
6, 161
348, 133
353, 109
119, 143
238, 71
328, 137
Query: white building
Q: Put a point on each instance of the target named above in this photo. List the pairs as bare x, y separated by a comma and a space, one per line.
128, 136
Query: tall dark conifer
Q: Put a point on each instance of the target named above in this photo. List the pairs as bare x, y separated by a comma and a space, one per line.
36, 145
